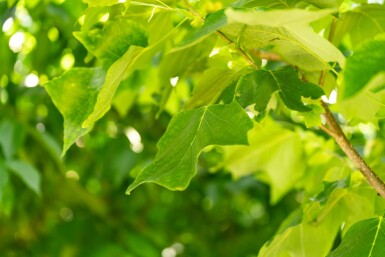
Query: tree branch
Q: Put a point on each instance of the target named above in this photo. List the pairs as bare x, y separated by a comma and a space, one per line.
340, 138
333, 128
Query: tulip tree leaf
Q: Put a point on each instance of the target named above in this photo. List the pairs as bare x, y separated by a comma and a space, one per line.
27, 173
363, 65
187, 134
288, 32
364, 238
360, 24
74, 94
111, 42
258, 86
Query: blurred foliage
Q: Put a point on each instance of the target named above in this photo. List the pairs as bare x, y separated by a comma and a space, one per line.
291, 184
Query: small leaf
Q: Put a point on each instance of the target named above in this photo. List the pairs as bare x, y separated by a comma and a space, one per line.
187, 134
364, 238
28, 174
11, 137
313, 117
365, 63
74, 94
258, 86
289, 34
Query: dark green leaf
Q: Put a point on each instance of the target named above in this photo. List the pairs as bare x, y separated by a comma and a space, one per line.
74, 94
187, 134
11, 137
3, 179
365, 238
258, 86
28, 174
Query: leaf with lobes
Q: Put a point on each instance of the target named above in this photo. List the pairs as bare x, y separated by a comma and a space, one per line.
365, 238
187, 134
258, 86
74, 93
289, 34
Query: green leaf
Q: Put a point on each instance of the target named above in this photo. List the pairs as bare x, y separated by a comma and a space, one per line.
364, 238
111, 42
11, 137
273, 4
187, 134
213, 22
74, 94
366, 62
290, 36
93, 3
210, 86
325, 3
270, 147
3, 179
313, 117
258, 86
132, 60
360, 24
28, 174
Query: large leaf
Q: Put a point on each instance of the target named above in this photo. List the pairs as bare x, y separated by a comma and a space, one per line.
274, 151
187, 134
111, 42
74, 94
273, 4
258, 86
364, 238
360, 24
28, 174
366, 62
289, 34
325, 3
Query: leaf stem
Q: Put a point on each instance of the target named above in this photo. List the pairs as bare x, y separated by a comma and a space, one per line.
223, 36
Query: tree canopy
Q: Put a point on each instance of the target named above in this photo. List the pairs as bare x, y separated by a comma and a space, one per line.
192, 128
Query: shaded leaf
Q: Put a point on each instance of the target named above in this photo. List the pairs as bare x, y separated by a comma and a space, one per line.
11, 137
289, 34
364, 238
187, 134
258, 86
360, 24
3, 179
111, 42
74, 94
210, 86
28, 174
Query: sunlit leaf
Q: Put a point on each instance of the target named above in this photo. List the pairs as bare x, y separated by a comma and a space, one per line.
93, 3
366, 62
187, 134
258, 86
364, 238
288, 32
325, 3
362, 23
74, 94
281, 170
27, 173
